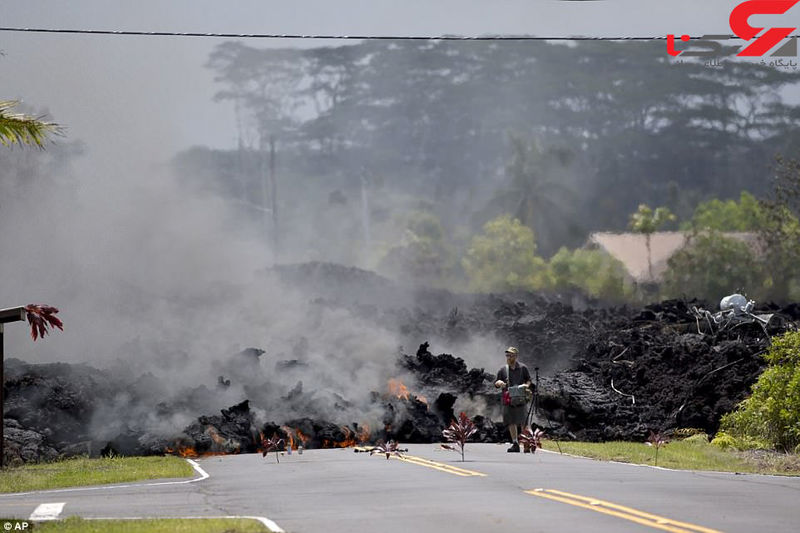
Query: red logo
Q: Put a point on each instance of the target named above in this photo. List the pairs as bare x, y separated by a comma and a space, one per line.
742, 28
739, 22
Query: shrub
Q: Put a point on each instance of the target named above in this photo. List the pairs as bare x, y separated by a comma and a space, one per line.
422, 254
729, 215
771, 415
724, 441
595, 272
698, 438
727, 441
504, 258
682, 433
709, 267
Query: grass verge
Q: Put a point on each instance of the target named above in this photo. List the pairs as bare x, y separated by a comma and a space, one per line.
83, 471
689, 454
166, 525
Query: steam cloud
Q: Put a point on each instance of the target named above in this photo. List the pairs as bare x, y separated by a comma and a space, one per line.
163, 287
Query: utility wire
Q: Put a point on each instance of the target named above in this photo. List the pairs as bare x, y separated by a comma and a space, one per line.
345, 37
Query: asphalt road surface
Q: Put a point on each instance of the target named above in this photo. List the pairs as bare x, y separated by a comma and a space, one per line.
432, 491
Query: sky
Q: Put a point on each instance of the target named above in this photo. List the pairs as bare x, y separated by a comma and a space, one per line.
157, 94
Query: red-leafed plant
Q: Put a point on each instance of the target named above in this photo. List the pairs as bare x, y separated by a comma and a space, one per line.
656, 440
274, 443
389, 448
531, 439
458, 432
40, 317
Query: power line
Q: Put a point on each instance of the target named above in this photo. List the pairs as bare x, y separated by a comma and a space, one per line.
345, 37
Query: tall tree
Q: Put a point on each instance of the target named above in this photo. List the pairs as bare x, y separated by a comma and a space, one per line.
433, 118
728, 215
536, 194
647, 221
781, 232
504, 258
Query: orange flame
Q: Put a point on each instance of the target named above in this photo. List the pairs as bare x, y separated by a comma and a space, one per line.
183, 451
301, 436
261, 440
289, 438
396, 388
190, 452
348, 441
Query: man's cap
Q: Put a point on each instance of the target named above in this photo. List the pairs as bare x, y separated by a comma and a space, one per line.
513, 350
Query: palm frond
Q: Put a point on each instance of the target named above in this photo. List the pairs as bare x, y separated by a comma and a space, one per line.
17, 128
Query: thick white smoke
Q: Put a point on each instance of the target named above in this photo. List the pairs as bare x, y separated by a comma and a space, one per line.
164, 285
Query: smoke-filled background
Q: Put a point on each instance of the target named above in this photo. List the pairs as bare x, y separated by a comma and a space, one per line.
190, 167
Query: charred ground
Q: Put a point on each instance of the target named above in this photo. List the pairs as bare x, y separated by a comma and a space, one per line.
606, 373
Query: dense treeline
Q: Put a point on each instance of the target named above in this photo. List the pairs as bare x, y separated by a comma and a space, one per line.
566, 138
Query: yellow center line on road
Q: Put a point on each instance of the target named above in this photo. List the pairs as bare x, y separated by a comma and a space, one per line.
450, 469
421, 461
620, 511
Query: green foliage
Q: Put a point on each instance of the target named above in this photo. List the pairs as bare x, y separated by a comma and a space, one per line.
504, 258
81, 471
710, 267
698, 438
422, 256
75, 524
426, 226
635, 130
17, 128
646, 220
683, 454
685, 433
726, 441
595, 272
745, 215
781, 233
772, 413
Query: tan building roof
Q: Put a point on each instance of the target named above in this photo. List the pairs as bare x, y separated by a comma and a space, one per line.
631, 250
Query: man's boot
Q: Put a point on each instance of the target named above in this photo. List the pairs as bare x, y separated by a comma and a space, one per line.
514, 448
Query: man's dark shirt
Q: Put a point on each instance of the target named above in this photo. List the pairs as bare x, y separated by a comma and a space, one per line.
519, 375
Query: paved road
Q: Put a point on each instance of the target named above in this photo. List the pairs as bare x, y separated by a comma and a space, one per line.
342, 491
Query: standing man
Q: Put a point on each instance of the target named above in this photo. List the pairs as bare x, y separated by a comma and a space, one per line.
513, 374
